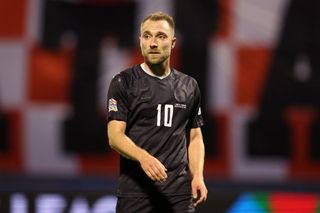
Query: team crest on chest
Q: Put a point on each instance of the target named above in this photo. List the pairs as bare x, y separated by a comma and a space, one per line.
180, 95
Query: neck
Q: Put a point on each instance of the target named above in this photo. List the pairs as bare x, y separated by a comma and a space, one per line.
157, 69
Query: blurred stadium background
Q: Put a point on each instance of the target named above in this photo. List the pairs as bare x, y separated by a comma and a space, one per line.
257, 64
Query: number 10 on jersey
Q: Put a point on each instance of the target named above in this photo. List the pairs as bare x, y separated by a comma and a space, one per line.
167, 115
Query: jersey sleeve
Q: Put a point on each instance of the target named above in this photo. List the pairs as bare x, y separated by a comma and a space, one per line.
117, 99
196, 119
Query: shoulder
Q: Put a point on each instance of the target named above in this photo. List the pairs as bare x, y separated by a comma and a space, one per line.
185, 79
128, 76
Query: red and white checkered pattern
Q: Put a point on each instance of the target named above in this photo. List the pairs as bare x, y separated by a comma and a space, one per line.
34, 88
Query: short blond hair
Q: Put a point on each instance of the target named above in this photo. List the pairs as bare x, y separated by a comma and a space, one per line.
159, 16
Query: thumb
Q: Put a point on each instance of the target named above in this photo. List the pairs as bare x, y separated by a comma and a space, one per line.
194, 192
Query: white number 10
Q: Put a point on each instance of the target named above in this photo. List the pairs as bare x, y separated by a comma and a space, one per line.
168, 114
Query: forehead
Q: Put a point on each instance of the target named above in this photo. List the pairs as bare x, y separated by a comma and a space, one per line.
156, 26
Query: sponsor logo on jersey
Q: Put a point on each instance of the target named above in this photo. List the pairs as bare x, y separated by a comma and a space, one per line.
113, 105
182, 106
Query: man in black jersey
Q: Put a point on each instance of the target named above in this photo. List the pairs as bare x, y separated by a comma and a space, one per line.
154, 121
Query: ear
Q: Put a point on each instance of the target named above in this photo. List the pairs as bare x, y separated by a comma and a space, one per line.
173, 42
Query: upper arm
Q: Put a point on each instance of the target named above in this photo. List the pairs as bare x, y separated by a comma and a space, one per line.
195, 133
196, 119
117, 99
115, 127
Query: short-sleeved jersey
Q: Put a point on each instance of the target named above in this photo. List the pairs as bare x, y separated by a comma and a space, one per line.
158, 114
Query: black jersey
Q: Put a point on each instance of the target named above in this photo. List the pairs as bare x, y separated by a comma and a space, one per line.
158, 113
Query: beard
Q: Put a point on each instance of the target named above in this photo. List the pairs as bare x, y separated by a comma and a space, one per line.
155, 59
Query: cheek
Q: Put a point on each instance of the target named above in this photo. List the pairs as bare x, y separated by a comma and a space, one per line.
164, 45
143, 44
167, 48
143, 47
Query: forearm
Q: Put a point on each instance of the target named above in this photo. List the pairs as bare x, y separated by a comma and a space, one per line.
196, 163
196, 156
121, 143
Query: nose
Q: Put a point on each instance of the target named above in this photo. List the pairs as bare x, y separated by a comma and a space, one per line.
153, 43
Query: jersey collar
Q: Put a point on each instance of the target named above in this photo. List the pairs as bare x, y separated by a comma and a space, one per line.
153, 75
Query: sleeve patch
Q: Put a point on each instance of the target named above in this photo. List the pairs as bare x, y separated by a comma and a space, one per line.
113, 105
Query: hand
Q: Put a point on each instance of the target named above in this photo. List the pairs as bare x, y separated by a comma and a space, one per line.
153, 168
199, 190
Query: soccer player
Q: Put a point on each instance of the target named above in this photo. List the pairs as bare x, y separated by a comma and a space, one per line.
154, 121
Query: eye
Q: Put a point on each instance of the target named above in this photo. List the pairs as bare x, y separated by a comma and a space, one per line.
146, 36
162, 36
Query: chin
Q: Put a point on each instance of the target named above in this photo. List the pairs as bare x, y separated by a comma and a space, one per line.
153, 62
156, 61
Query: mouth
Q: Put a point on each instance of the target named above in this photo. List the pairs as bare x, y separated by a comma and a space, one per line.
154, 52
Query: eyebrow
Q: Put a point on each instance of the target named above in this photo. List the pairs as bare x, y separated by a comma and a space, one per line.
158, 33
